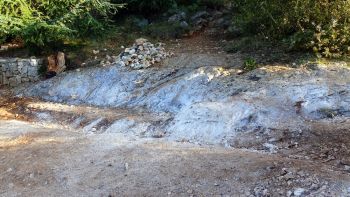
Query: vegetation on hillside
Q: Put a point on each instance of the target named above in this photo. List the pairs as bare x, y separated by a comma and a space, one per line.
43, 22
321, 26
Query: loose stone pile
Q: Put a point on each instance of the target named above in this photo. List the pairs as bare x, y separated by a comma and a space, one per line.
143, 54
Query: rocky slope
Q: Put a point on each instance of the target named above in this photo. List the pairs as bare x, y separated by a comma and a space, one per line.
208, 100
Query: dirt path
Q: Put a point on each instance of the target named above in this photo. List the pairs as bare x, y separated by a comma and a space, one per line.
38, 161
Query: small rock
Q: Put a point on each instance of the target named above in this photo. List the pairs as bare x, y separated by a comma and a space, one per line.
239, 72
11, 185
271, 148
140, 41
177, 17
299, 191
132, 51
31, 175
347, 168
184, 24
201, 14
126, 166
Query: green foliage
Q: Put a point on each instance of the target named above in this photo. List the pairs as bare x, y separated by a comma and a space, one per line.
213, 3
319, 25
147, 7
250, 64
44, 21
156, 7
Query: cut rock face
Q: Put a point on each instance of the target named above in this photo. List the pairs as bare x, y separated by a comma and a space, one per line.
143, 54
210, 104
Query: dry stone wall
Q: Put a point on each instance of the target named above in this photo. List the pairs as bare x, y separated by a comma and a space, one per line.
14, 71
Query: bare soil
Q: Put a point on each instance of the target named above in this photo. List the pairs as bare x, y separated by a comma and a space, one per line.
39, 161
47, 157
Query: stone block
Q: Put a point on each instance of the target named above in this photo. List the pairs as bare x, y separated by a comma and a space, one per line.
25, 79
18, 79
32, 71
34, 62
4, 67
12, 82
23, 71
5, 79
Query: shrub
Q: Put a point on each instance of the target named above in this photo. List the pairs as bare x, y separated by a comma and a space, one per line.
44, 21
156, 7
213, 3
249, 64
147, 7
319, 25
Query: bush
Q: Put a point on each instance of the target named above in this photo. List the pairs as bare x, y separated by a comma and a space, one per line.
44, 21
156, 7
319, 25
147, 7
249, 64
216, 4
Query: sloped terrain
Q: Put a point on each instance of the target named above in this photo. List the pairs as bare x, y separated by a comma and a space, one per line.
193, 126
209, 103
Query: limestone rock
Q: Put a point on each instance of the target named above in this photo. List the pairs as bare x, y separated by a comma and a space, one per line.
61, 62
142, 54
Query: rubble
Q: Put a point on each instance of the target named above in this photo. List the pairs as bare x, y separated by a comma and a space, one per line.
143, 54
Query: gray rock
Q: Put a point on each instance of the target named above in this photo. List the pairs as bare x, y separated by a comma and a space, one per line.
4, 79
299, 192
12, 81
209, 104
184, 24
177, 17
32, 71
199, 15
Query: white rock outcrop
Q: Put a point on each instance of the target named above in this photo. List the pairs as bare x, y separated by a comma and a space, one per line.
209, 104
